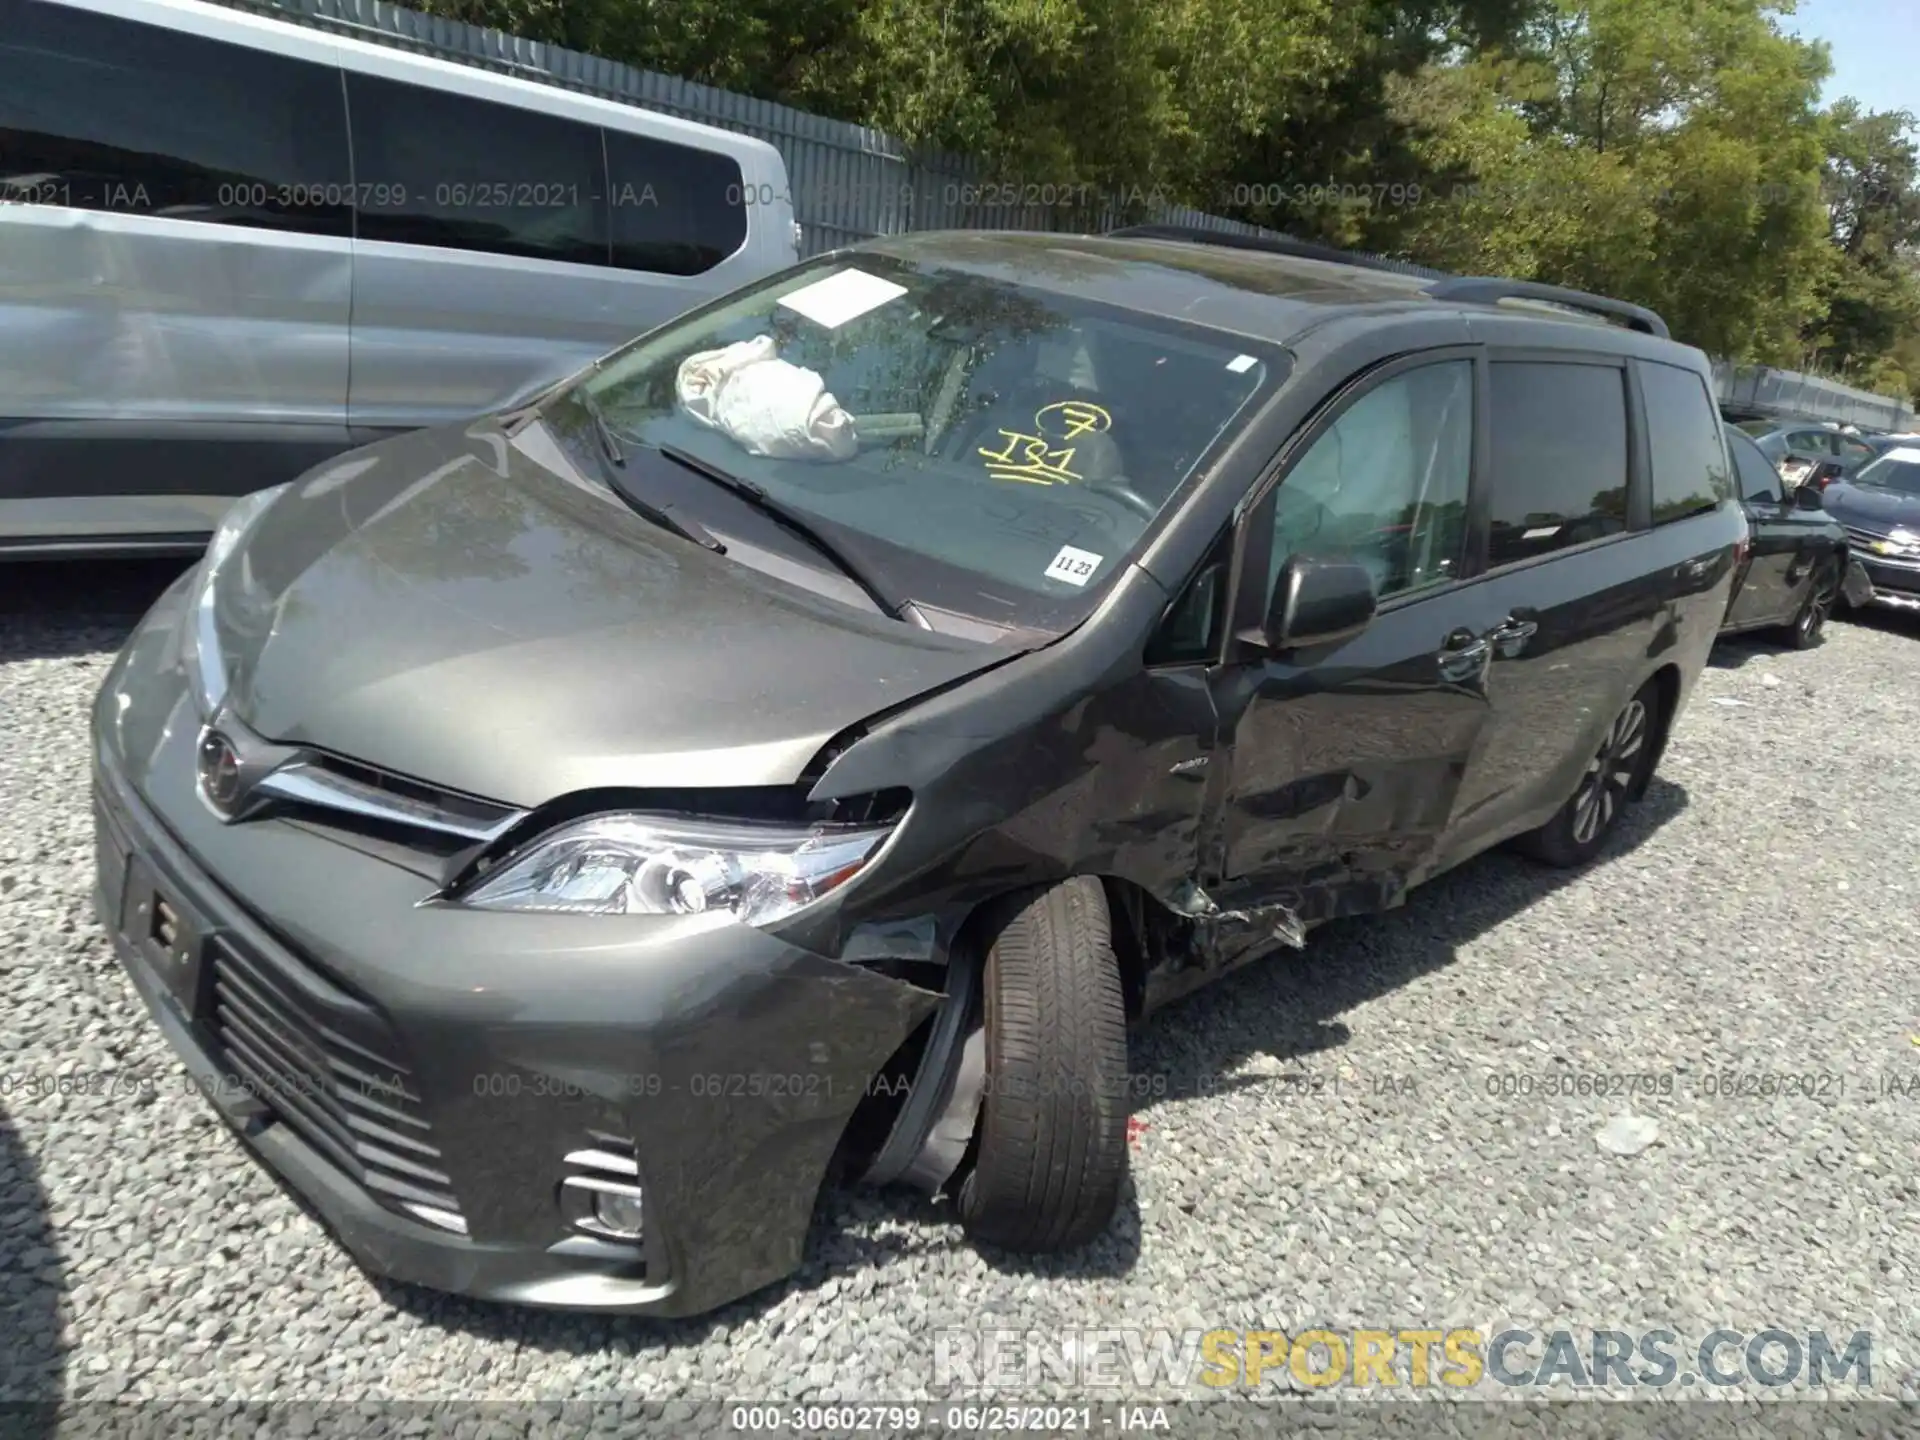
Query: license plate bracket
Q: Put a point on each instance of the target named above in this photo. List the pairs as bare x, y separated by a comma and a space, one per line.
168, 934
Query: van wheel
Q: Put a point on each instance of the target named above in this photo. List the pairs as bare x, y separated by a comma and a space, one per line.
1050, 1153
1810, 625
1615, 774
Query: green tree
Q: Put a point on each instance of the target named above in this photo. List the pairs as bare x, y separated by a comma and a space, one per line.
1870, 329
1667, 151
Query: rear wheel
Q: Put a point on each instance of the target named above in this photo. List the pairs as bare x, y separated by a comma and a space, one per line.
1050, 1153
1617, 772
1810, 625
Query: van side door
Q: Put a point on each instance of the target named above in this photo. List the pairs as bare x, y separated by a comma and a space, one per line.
1346, 763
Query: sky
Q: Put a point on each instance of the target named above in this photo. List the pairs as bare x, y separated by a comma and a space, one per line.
1875, 46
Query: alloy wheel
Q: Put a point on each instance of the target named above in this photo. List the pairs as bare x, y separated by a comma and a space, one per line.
1813, 619
1610, 774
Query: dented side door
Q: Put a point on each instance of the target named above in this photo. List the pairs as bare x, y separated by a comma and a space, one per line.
1346, 763
1345, 771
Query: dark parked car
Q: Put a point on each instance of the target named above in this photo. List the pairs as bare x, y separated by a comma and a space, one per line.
559, 841
1791, 574
1879, 507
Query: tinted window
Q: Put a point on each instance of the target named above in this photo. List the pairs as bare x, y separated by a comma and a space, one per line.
106, 114
1852, 452
1386, 484
1758, 479
1687, 443
435, 168
1559, 457
1810, 442
676, 210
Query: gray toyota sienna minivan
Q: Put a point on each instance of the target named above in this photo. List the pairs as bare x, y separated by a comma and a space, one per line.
802, 743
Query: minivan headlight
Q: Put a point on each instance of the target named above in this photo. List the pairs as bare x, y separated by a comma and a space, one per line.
202, 639
633, 864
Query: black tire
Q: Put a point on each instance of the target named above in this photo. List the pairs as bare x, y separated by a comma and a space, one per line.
1617, 773
1050, 1153
1809, 627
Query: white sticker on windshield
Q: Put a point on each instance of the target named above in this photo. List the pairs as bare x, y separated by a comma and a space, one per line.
1076, 567
1240, 364
844, 295
1540, 532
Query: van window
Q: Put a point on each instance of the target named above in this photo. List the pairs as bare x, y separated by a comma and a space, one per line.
98, 113
1386, 484
435, 168
1688, 446
676, 210
1559, 472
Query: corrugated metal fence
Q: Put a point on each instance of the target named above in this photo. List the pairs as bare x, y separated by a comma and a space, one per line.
851, 183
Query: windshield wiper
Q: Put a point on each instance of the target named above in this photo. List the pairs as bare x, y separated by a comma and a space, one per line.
610, 445
795, 522
685, 527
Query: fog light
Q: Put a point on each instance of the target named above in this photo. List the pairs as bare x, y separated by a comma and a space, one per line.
618, 1214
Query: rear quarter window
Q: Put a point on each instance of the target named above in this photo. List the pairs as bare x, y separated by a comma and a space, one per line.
1691, 472
675, 210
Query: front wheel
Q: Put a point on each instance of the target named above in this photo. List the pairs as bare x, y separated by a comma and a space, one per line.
1617, 772
1809, 627
1050, 1153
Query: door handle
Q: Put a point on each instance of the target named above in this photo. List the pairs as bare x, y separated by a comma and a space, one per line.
1463, 655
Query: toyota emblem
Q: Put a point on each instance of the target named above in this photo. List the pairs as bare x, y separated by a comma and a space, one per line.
219, 772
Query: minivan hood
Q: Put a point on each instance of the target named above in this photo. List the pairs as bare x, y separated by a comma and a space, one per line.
467, 608
1872, 509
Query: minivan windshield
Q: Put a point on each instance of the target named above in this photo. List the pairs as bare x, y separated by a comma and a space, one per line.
1897, 471
990, 447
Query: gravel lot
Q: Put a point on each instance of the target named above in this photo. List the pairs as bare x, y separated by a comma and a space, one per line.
1761, 913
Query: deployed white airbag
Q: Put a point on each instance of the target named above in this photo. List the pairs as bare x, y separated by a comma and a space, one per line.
764, 404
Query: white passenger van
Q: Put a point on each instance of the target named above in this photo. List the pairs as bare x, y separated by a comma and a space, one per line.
232, 246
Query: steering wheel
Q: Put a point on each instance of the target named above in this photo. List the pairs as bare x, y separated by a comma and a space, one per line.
1121, 489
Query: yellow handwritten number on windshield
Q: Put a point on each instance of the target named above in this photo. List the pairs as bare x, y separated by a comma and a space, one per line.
1045, 457
1070, 419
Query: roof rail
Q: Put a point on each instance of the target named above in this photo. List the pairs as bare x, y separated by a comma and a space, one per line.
1473, 289
1488, 290
1269, 244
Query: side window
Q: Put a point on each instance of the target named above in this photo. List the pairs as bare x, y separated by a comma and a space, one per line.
1853, 453
99, 113
1687, 443
435, 168
1758, 479
1189, 629
676, 210
1559, 448
1386, 483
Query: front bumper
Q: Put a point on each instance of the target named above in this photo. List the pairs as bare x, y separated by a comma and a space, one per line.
1895, 581
421, 1075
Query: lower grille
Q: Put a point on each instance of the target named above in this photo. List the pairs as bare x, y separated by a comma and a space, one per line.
347, 1095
